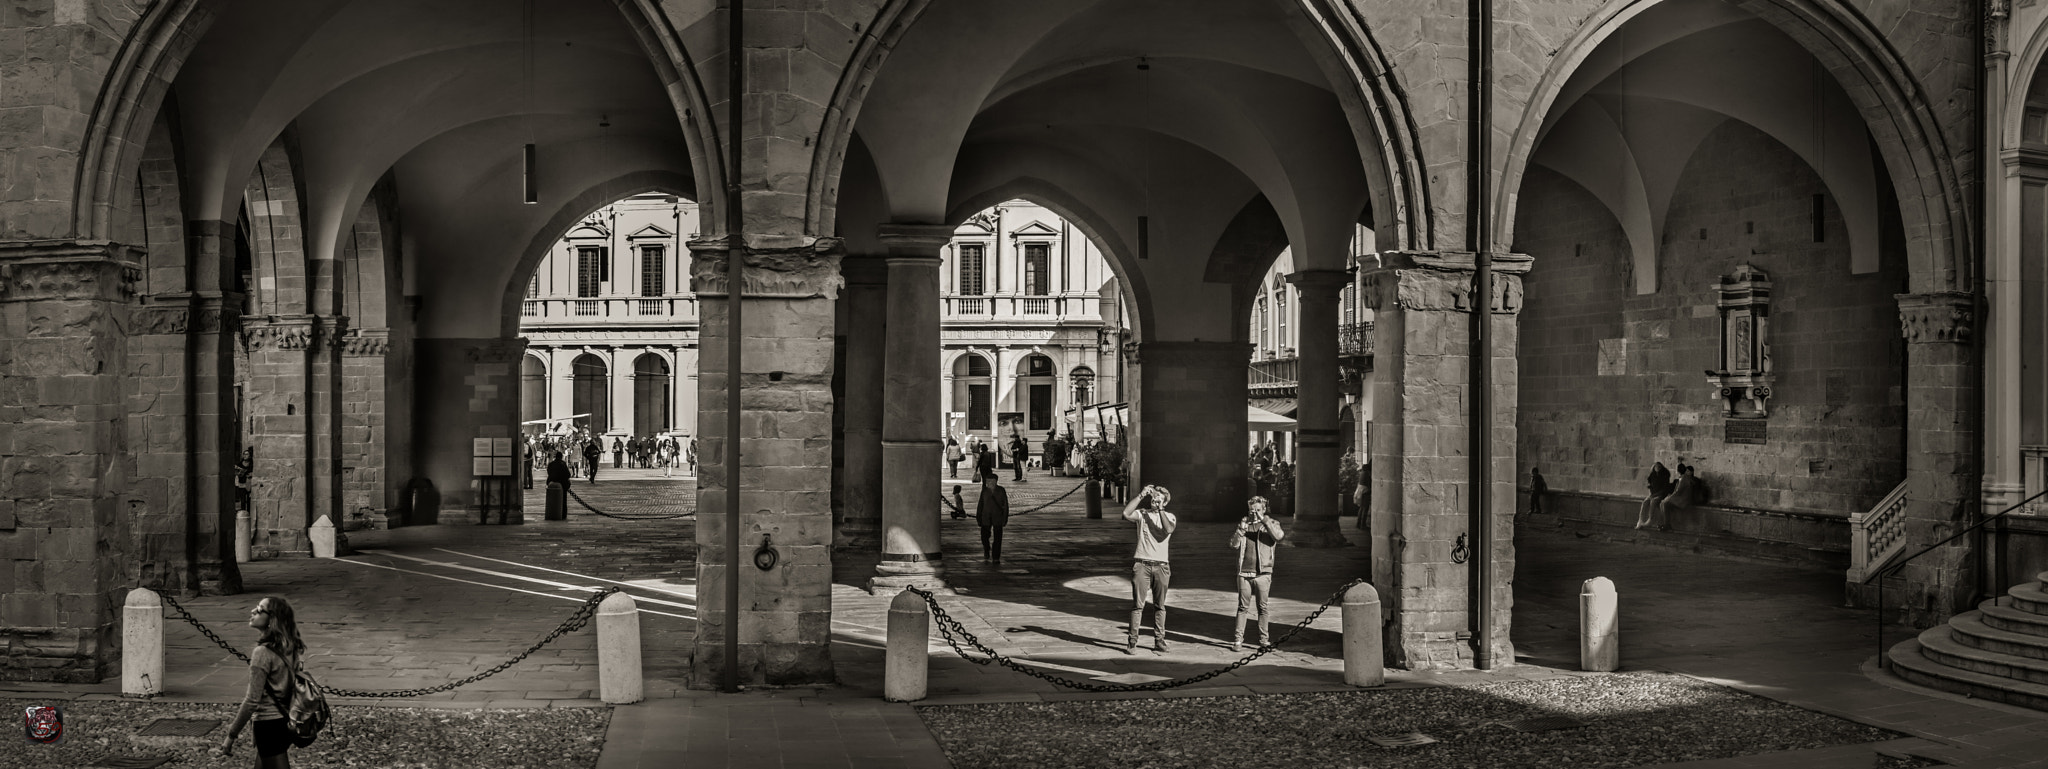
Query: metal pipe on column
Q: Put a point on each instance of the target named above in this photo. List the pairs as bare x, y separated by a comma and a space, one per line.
735, 258
1478, 166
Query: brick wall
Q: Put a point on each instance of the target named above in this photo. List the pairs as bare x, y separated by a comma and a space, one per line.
1836, 437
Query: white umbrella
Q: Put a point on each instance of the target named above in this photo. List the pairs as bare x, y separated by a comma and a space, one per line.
1263, 421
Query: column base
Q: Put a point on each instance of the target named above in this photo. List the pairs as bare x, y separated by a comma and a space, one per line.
1316, 532
883, 584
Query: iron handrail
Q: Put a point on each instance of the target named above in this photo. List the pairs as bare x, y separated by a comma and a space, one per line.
1895, 566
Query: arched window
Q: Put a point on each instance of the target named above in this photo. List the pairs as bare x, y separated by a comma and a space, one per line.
1083, 378
1036, 392
973, 391
587, 394
650, 395
977, 365
533, 392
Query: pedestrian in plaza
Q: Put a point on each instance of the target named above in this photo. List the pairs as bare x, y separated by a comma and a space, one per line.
1256, 537
953, 457
993, 513
1150, 568
271, 665
984, 462
1537, 490
959, 505
558, 470
693, 456
1020, 451
618, 453
592, 456
1660, 487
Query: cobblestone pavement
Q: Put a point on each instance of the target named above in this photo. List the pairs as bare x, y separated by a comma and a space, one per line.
426, 605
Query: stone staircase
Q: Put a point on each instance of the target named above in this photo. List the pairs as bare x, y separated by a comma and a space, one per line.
1998, 652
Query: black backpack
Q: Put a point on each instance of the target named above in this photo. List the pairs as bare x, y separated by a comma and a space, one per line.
304, 707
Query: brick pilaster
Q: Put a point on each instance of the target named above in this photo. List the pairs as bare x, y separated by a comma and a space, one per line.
64, 457
785, 462
1422, 347
363, 432
860, 488
1943, 390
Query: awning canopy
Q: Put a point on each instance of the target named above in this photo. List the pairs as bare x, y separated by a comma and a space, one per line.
1263, 421
1280, 407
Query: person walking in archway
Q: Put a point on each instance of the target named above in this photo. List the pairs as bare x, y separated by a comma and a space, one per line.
593, 454
1150, 569
984, 462
953, 457
993, 513
271, 664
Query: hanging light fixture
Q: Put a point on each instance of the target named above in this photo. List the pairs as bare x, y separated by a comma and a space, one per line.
1145, 166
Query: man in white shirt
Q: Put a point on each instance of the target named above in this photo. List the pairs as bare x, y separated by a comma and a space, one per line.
1150, 570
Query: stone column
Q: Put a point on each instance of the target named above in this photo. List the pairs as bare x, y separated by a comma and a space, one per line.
1420, 454
561, 382
215, 440
64, 460
867, 300
1315, 473
785, 613
279, 426
911, 446
363, 433
1942, 454
1191, 423
323, 436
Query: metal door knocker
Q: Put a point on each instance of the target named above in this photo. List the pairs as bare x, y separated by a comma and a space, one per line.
1460, 553
766, 556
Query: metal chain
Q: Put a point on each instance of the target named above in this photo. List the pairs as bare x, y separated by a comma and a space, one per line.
586, 506
948, 626
1070, 492
574, 623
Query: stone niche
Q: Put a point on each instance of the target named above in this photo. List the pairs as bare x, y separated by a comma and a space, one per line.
1744, 379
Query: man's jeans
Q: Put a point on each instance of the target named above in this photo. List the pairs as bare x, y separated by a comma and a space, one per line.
1148, 582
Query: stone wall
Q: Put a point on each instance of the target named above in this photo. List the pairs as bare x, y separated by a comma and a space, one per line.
466, 389
1835, 441
1191, 413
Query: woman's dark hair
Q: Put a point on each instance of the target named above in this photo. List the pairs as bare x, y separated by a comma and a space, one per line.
281, 633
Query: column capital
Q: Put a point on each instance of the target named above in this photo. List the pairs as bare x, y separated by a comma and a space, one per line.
1938, 316
1442, 281
283, 332
69, 269
1319, 284
366, 343
919, 241
779, 268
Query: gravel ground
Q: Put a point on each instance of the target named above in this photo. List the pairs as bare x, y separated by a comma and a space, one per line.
1634, 719
358, 737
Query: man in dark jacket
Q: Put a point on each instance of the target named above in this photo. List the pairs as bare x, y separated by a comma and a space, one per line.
558, 470
1020, 451
984, 463
993, 513
592, 453
1255, 538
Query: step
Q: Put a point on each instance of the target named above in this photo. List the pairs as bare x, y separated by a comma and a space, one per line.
2013, 619
1910, 663
2030, 597
1939, 644
1970, 630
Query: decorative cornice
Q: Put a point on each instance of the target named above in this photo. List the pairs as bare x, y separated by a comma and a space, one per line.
500, 350
160, 319
1442, 281
1319, 284
1941, 316
69, 270
282, 332
366, 343
329, 332
182, 313
772, 270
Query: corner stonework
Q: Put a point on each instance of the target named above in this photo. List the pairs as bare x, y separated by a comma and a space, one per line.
785, 468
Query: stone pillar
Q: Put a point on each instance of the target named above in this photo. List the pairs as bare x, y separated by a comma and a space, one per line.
911, 446
214, 440
1422, 337
785, 613
1315, 471
323, 437
467, 389
64, 457
1191, 410
867, 300
279, 424
1942, 454
363, 423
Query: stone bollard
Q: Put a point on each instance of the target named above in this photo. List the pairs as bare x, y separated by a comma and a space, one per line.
322, 535
1364, 661
142, 643
909, 633
618, 650
1599, 627
244, 550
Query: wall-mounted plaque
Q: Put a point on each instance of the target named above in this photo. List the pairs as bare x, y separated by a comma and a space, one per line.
1750, 431
501, 447
479, 447
480, 466
501, 465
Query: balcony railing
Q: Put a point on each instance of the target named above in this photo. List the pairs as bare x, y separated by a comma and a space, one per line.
1274, 372
621, 310
1354, 339
970, 305
1037, 305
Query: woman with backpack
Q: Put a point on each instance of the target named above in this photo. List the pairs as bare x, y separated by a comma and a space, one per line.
271, 667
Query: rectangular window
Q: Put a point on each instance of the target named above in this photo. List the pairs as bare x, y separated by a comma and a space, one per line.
1037, 269
653, 270
1280, 337
589, 271
971, 269
533, 286
977, 406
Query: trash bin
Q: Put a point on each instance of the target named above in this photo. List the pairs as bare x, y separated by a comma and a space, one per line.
558, 502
